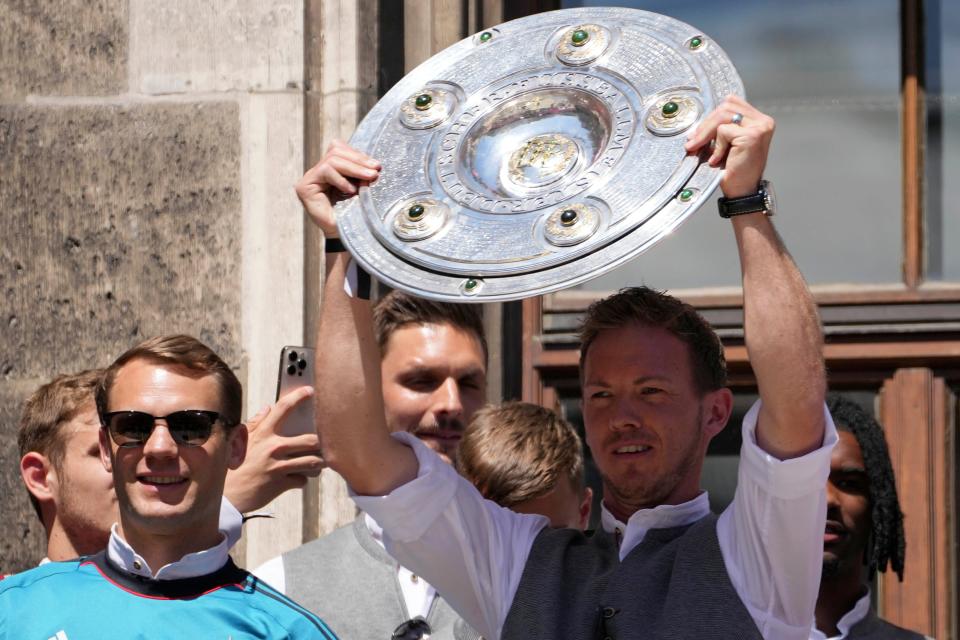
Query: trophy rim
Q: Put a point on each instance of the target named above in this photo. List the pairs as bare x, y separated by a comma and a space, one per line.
388, 261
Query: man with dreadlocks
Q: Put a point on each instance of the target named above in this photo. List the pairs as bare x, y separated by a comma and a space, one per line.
864, 529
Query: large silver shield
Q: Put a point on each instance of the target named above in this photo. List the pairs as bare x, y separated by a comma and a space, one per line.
536, 155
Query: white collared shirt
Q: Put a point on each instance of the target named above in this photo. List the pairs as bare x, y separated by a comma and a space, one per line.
847, 622
191, 565
199, 563
662, 516
474, 552
418, 594
231, 526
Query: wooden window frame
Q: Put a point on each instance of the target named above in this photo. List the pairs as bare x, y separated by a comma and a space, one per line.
859, 330
902, 340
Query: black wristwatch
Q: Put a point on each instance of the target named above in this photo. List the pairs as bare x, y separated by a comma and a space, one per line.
763, 201
333, 245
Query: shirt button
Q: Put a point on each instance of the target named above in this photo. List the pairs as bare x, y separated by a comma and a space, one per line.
609, 612
413, 578
137, 565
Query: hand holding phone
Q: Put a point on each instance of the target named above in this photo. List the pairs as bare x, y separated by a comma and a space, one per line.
283, 449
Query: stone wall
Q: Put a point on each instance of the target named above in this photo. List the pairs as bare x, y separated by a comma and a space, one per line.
147, 155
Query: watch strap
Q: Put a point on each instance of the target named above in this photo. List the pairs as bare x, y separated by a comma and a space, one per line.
333, 245
753, 203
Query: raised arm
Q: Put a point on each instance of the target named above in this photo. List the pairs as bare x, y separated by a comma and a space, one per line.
435, 522
781, 326
350, 418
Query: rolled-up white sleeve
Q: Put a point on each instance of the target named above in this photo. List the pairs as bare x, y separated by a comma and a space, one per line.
771, 535
440, 527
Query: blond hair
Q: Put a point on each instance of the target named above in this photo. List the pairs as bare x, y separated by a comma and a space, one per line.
189, 353
519, 451
48, 410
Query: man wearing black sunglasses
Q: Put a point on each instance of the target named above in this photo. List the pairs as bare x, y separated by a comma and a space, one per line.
170, 415
73, 494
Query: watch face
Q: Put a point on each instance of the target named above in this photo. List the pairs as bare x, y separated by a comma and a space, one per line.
769, 197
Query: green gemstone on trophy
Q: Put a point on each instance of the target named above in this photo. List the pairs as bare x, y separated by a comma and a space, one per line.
686, 194
485, 36
696, 42
470, 284
568, 217
580, 37
415, 212
670, 109
423, 101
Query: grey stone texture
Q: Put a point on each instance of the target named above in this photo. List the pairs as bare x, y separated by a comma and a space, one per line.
179, 46
63, 47
23, 543
118, 223
121, 223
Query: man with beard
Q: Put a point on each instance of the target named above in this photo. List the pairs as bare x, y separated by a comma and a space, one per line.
653, 378
864, 530
433, 359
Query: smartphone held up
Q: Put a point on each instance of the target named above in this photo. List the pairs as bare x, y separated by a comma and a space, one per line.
296, 370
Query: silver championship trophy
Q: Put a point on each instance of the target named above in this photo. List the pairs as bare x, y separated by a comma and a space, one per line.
536, 155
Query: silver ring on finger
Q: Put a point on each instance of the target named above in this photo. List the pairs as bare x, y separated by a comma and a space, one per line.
737, 118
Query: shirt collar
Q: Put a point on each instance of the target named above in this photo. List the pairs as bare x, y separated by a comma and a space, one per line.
855, 615
662, 516
849, 620
199, 563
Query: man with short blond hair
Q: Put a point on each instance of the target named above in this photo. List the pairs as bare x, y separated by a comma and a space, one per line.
73, 494
60, 466
528, 459
170, 415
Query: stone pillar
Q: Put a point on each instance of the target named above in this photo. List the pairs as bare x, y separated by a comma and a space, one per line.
147, 155
341, 78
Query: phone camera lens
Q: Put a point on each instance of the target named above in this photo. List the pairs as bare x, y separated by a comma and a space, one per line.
293, 356
291, 370
302, 363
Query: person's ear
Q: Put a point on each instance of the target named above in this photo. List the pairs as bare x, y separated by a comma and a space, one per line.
238, 446
39, 476
717, 407
586, 503
105, 452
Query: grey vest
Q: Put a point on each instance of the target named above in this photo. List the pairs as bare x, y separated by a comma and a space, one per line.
873, 627
350, 581
673, 585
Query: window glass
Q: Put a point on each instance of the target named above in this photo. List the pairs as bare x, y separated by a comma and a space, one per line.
943, 140
829, 73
